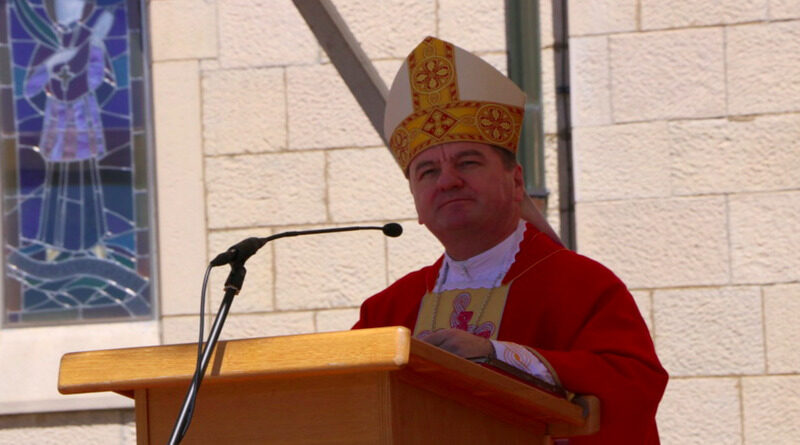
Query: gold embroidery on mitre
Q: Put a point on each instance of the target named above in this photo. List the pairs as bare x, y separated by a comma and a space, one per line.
440, 116
471, 121
438, 123
495, 123
399, 145
432, 74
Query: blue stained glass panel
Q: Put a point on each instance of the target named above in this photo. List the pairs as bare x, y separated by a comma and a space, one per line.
119, 102
112, 121
121, 71
19, 79
17, 31
117, 158
23, 53
73, 228
116, 47
25, 110
120, 26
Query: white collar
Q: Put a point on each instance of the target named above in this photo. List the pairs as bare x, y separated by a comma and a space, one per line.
485, 269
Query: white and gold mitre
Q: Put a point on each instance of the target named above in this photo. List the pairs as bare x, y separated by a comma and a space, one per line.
443, 93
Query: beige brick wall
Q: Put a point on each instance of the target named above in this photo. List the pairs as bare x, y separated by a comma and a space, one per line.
687, 159
686, 123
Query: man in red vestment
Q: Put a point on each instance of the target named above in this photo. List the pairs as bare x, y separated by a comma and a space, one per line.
505, 286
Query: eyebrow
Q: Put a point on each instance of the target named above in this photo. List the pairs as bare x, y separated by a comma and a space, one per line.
457, 156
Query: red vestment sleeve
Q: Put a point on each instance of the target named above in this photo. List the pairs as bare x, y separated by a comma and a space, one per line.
590, 331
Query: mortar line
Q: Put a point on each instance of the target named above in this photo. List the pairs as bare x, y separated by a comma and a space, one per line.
725, 68
739, 387
764, 330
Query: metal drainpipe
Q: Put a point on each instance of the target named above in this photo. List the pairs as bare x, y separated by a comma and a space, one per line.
566, 185
524, 68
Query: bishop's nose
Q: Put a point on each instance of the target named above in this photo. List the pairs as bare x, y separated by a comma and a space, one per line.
449, 178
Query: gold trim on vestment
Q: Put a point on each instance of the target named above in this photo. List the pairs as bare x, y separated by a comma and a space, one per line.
477, 311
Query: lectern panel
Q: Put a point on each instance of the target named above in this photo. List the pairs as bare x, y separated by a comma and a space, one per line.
341, 409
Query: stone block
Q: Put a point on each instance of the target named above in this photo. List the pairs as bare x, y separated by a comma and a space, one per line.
551, 181
551, 169
417, 248
257, 293
367, 184
602, 17
179, 175
325, 117
621, 162
336, 319
476, 25
30, 359
244, 111
658, 243
550, 121
100, 427
765, 237
784, 9
266, 189
179, 329
267, 325
709, 331
659, 14
666, 75
734, 156
763, 81
377, 26
334, 270
589, 82
781, 307
771, 409
183, 29
207, 65
546, 24
700, 411
255, 33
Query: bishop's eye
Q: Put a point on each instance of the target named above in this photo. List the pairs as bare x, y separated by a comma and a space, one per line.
426, 172
468, 162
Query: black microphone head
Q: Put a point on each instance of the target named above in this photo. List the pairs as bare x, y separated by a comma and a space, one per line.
392, 229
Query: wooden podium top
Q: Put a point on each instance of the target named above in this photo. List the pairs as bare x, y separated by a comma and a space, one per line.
368, 350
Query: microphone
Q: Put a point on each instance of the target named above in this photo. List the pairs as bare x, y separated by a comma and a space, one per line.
392, 230
241, 251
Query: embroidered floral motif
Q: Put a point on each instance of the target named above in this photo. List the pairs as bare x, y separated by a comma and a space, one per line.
460, 318
438, 124
495, 123
399, 144
432, 74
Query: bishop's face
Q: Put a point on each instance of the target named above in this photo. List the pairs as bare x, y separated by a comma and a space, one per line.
463, 187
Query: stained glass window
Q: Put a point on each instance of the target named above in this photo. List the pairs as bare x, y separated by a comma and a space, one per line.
76, 209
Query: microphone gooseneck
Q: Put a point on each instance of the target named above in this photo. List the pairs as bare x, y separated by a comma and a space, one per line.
241, 251
236, 256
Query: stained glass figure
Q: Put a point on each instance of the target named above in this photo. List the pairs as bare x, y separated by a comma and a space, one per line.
76, 208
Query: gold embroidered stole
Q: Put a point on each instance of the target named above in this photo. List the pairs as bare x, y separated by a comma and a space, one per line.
477, 311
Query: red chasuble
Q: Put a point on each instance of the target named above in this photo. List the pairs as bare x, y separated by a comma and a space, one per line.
578, 316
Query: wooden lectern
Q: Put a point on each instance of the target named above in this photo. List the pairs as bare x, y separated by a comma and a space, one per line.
371, 386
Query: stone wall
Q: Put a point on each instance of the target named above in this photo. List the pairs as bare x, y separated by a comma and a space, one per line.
687, 153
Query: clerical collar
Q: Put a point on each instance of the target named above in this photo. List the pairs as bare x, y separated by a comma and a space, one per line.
484, 270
